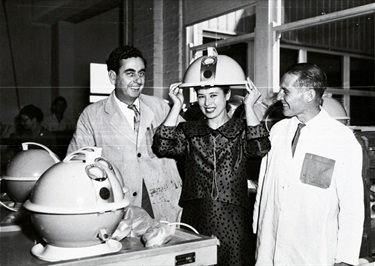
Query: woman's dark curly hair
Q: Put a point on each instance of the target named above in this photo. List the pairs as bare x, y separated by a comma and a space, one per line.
225, 88
120, 53
32, 111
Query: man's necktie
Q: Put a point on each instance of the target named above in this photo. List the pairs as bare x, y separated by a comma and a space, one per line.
296, 137
136, 116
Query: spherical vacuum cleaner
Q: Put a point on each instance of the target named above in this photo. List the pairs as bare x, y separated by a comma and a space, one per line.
22, 172
75, 207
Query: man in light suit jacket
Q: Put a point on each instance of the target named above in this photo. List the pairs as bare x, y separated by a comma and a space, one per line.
125, 136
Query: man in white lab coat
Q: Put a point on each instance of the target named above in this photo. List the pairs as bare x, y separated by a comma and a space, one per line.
125, 136
309, 207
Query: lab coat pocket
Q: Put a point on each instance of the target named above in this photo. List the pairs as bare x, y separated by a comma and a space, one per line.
317, 170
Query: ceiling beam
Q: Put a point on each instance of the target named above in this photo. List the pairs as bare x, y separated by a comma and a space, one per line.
50, 12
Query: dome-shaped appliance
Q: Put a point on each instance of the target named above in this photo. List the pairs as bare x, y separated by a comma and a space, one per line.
213, 70
75, 207
335, 109
25, 168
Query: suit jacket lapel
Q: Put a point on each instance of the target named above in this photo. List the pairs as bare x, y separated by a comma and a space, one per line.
117, 120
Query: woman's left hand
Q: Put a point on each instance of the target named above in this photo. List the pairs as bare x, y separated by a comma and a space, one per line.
253, 94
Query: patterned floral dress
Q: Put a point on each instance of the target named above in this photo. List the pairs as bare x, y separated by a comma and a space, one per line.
214, 195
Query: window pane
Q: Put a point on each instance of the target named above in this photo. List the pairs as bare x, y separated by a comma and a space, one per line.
362, 110
331, 65
362, 74
288, 57
362, 77
99, 81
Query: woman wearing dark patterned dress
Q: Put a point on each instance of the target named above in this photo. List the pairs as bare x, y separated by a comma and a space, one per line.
215, 152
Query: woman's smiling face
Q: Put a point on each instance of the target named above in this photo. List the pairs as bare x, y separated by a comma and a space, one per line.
212, 101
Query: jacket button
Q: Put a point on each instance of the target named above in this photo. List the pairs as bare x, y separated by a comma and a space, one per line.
139, 154
134, 194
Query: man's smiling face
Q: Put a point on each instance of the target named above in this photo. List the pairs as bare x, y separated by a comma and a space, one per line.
130, 79
291, 96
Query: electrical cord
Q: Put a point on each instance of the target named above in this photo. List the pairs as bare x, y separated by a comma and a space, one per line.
9, 208
183, 224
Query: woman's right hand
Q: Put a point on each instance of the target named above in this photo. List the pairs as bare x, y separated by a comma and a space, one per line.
176, 95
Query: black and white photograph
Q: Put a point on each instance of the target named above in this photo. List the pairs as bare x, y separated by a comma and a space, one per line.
187, 132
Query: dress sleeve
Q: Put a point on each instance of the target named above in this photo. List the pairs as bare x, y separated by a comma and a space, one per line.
169, 141
257, 141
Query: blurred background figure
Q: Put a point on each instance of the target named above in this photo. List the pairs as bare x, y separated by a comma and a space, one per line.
29, 129
56, 120
59, 125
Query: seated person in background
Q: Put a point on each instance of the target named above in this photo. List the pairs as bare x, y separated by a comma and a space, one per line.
56, 120
29, 129
62, 127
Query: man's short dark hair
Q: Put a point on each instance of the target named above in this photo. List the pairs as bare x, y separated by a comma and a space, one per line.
120, 53
309, 76
55, 101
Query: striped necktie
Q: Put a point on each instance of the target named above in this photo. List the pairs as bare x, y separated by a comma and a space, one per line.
296, 137
136, 116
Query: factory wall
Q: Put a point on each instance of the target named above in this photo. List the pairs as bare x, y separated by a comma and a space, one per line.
25, 62
41, 60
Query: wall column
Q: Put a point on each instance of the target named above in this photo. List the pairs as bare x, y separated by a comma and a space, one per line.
267, 46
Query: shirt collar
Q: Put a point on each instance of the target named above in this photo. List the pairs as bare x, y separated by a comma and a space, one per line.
230, 129
124, 105
317, 120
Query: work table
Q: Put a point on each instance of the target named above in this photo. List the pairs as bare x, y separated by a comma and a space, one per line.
185, 248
